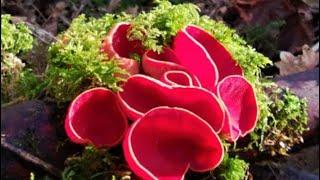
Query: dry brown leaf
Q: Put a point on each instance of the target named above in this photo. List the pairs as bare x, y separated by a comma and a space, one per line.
291, 64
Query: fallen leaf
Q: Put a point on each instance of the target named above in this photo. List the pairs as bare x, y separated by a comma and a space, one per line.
291, 64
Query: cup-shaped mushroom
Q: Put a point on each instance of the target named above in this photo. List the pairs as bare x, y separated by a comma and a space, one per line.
240, 107
117, 45
142, 93
166, 142
95, 117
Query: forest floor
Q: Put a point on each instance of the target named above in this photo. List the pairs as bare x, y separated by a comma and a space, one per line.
286, 31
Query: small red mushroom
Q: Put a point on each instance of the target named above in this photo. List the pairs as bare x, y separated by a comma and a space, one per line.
95, 117
117, 45
240, 107
142, 93
166, 142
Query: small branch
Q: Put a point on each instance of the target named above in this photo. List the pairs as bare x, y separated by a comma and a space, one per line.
41, 34
31, 158
38, 32
82, 6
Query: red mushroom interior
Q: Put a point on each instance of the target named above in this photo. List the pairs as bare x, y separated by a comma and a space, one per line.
95, 117
142, 93
122, 46
156, 64
240, 101
165, 142
177, 78
226, 65
117, 45
195, 58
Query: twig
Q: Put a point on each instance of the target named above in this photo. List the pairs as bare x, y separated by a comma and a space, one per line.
40, 13
41, 34
83, 4
64, 20
31, 158
17, 100
113, 5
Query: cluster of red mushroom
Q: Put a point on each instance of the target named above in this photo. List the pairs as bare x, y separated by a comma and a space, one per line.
181, 102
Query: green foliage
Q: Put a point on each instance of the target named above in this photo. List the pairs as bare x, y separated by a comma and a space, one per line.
14, 38
232, 168
93, 164
286, 124
75, 60
29, 85
156, 28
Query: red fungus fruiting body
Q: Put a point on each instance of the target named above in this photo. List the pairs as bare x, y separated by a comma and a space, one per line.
240, 107
95, 117
166, 142
116, 45
195, 91
142, 93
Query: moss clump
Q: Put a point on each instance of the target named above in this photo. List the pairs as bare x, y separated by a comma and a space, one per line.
94, 164
15, 40
156, 28
75, 60
286, 124
232, 168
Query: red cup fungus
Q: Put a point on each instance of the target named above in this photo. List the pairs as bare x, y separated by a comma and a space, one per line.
188, 95
95, 117
166, 142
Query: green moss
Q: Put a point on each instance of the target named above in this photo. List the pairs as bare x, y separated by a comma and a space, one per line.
29, 85
75, 61
94, 164
284, 127
14, 38
156, 28
232, 168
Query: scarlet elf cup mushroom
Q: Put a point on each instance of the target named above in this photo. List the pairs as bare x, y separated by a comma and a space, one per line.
180, 102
